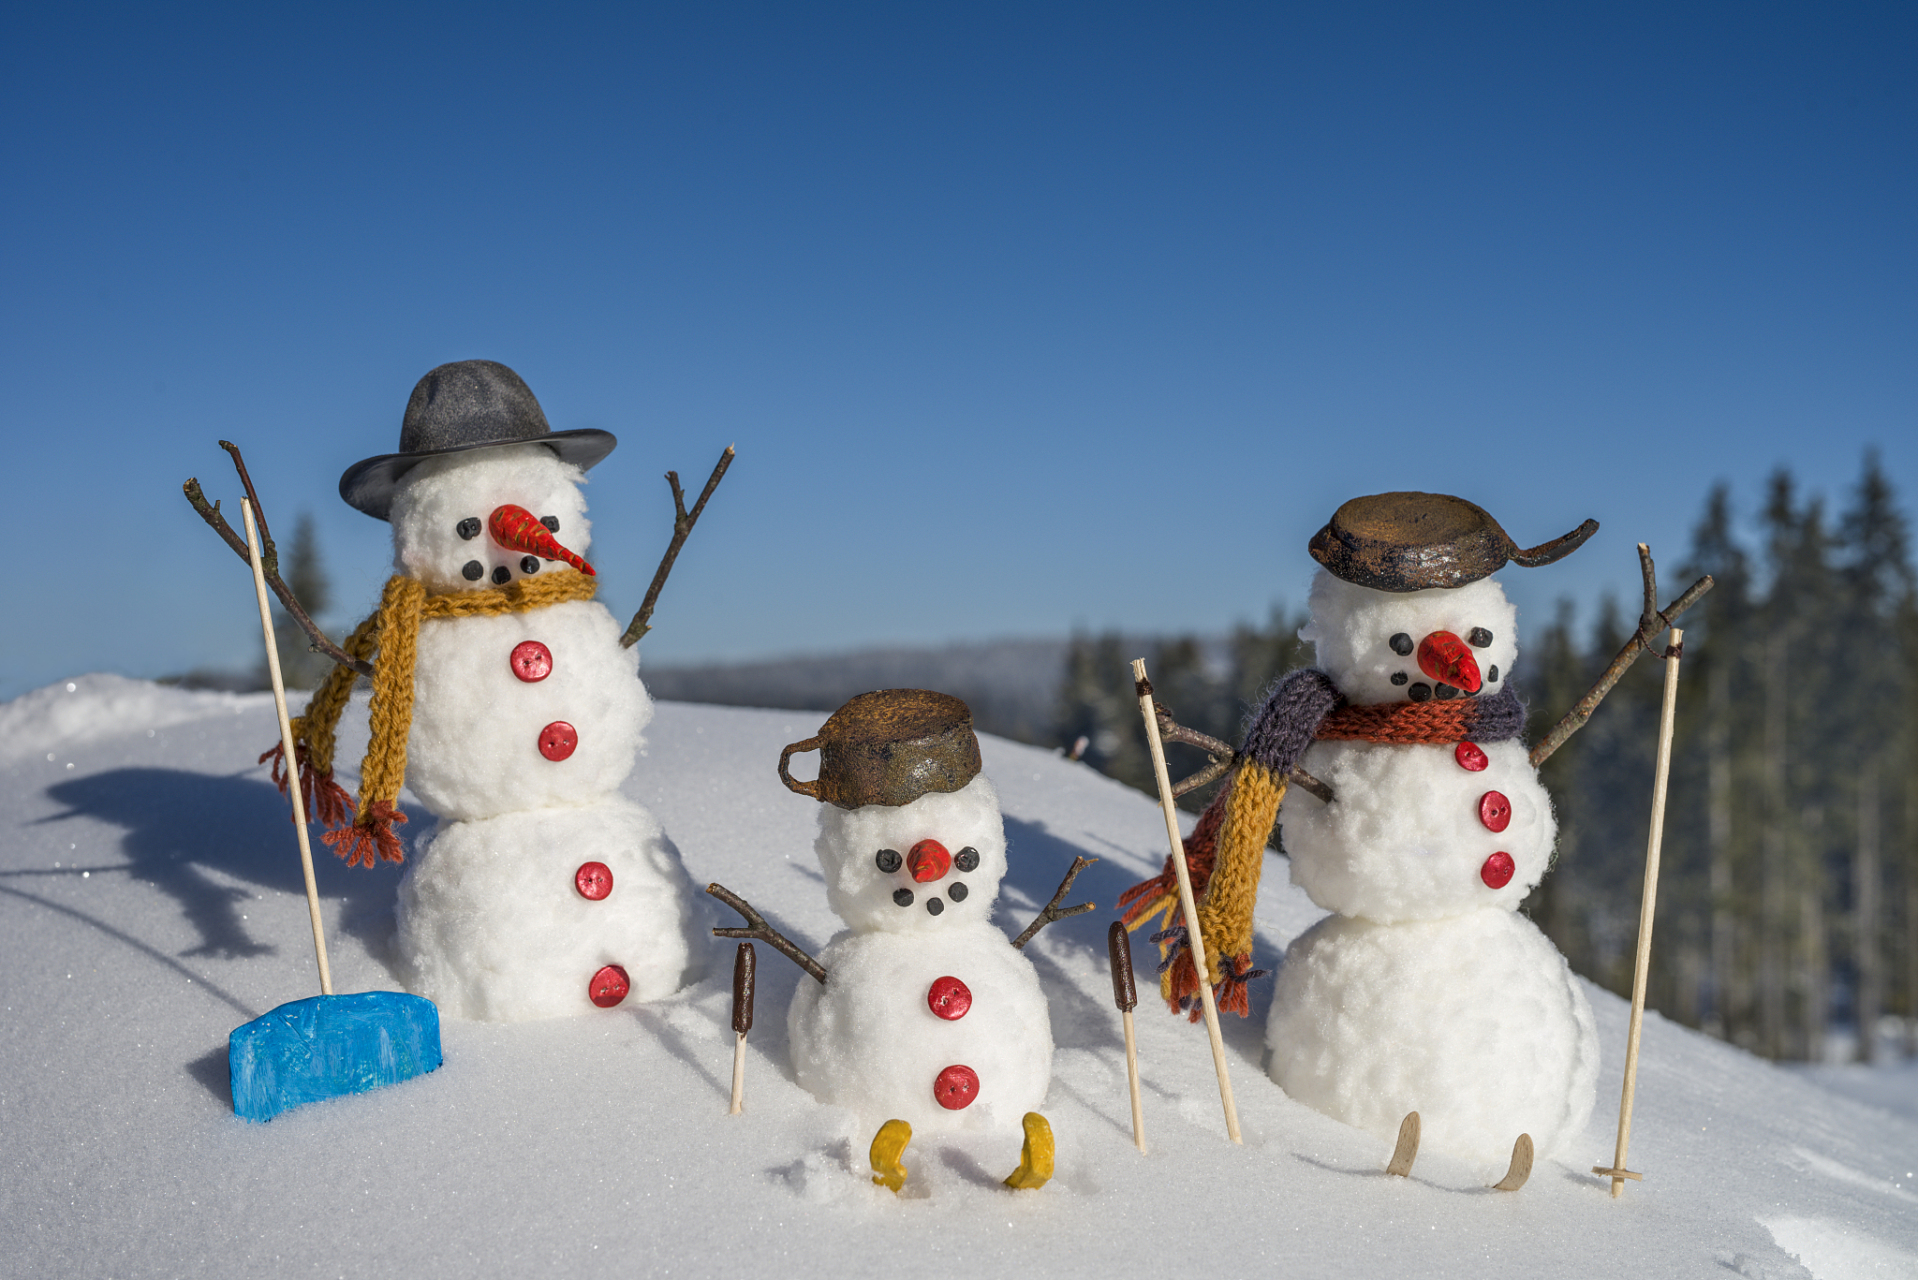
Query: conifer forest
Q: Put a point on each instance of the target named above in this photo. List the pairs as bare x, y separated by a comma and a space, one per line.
1788, 900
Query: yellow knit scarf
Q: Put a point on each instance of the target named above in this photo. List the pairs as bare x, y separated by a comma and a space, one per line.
392, 633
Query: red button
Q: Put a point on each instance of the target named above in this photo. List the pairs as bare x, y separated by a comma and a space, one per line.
950, 998
594, 880
956, 1087
558, 740
609, 986
1471, 757
1495, 811
531, 661
928, 861
1497, 871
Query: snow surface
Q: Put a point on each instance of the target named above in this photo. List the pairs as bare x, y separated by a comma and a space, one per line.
149, 904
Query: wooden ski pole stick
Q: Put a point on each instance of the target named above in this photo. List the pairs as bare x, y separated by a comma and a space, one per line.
286, 745
1193, 936
1647, 905
1126, 995
743, 961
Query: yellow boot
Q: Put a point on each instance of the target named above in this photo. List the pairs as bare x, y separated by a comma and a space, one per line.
1035, 1159
890, 1143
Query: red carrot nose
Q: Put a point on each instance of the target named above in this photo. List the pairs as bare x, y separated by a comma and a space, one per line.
1444, 657
517, 529
928, 861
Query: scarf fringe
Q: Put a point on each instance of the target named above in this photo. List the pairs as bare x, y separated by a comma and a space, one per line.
317, 789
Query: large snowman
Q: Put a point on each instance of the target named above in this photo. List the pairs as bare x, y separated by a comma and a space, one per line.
923, 1015
1425, 990
514, 714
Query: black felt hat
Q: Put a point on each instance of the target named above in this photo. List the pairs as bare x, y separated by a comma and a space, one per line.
1415, 541
459, 407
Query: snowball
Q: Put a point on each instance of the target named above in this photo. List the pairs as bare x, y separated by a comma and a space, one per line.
491, 925
474, 750
1474, 1022
869, 1041
862, 895
432, 499
1352, 628
1404, 840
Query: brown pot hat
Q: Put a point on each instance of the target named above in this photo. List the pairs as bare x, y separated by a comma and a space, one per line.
1415, 541
889, 747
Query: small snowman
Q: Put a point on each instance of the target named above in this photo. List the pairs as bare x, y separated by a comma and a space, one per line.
922, 1014
503, 697
1425, 990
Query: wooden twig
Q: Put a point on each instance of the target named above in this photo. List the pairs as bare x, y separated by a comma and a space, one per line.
269, 559
743, 962
683, 522
1052, 910
763, 932
1647, 906
1126, 995
1406, 1150
1223, 758
1651, 621
1195, 937
286, 743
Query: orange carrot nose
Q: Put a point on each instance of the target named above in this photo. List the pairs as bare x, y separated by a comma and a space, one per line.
517, 529
928, 861
1444, 657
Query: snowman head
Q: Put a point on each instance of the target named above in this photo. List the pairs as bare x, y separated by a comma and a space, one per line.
918, 867
443, 509
1399, 646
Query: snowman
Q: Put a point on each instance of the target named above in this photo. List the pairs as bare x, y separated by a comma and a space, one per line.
1425, 991
503, 697
922, 1015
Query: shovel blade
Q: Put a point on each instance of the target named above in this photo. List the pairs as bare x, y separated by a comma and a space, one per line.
326, 1046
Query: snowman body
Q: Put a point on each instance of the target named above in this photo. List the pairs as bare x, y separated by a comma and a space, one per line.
1425, 990
928, 1013
539, 877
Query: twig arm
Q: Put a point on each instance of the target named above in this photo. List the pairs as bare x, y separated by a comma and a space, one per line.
269, 559
683, 522
1651, 621
1052, 910
763, 932
1223, 758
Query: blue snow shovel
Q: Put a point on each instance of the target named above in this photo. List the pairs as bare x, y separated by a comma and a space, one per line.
325, 1045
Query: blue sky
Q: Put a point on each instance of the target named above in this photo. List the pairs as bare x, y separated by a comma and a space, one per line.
1023, 318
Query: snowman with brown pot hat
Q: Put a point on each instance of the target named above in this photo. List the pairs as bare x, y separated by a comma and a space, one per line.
921, 1015
503, 697
1424, 827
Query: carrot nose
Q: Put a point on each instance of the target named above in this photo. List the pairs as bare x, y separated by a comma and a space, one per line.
1444, 657
928, 861
517, 529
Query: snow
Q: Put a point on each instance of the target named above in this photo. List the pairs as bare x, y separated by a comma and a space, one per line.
150, 903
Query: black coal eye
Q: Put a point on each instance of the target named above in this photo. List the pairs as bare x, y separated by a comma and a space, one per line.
1401, 644
529, 564
552, 526
902, 896
887, 860
1479, 638
1399, 677
967, 859
957, 891
468, 528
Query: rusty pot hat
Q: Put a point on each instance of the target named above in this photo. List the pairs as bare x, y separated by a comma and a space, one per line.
469, 404
1414, 541
889, 747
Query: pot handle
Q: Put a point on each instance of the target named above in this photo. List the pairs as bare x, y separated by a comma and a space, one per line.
792, 783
